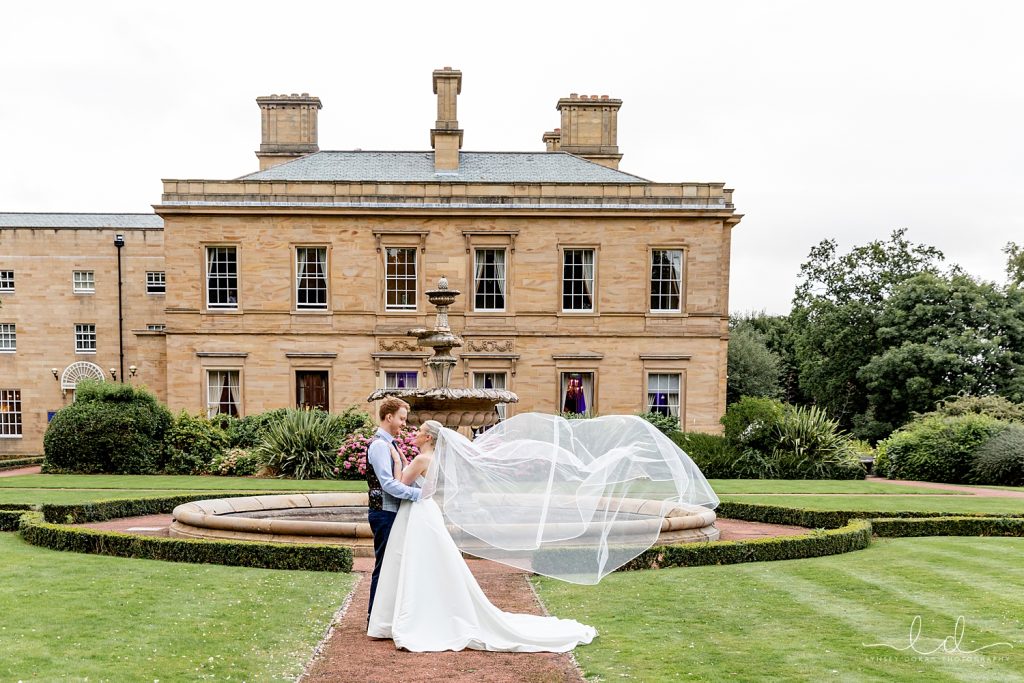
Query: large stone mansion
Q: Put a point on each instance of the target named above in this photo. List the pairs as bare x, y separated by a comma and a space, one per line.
584, 288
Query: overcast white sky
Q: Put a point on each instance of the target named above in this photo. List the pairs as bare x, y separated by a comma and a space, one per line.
830, 119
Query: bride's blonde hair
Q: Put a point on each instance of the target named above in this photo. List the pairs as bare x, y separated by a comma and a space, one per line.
432, 428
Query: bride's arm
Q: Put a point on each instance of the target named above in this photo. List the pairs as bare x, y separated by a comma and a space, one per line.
414, 469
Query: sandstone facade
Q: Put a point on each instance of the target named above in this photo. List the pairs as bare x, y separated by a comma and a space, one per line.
236, 253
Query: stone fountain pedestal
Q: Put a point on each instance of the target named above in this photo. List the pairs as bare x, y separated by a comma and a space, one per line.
453, 408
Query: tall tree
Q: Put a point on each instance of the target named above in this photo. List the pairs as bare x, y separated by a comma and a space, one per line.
1014, 265
835, 316
776, 332
941, 336
753, 369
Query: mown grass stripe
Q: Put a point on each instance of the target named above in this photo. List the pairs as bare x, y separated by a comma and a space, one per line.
868, 624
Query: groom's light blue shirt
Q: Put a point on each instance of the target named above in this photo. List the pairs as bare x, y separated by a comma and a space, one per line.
379, 458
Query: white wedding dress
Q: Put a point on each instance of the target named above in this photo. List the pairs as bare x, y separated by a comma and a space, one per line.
428, 600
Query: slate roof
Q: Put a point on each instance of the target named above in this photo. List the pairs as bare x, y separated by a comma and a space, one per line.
81, 220
474, 167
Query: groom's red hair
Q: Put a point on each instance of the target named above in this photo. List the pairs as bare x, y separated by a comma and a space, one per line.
391, 405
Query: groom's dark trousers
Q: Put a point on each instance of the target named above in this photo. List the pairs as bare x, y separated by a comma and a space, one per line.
381, 522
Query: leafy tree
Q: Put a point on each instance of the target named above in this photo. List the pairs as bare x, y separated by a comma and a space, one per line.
1014, 265
836, 311
940, 336
753, 369
776, 332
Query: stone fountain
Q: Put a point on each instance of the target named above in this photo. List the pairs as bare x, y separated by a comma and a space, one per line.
453, 408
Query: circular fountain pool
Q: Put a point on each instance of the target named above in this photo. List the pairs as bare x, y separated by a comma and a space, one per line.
341, 518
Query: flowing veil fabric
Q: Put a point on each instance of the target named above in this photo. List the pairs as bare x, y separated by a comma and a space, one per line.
569, 499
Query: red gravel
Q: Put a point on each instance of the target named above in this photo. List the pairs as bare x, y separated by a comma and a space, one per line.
348, 655
35, 469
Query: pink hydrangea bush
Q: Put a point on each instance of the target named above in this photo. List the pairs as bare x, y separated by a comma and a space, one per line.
351, 462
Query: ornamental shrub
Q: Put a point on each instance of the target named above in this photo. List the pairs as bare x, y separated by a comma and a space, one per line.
666, 424
751, 422
810, 445
237, 462
249, 431
1000, 460
192, 444
938, 448
998, 407
351, 458
302, 445
713, 454
111, 428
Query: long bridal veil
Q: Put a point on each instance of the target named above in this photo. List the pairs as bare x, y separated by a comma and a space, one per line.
570, 499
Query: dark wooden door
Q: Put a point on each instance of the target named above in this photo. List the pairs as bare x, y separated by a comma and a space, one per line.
311, 389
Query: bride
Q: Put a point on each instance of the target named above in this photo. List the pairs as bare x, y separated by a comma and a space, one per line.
428, 600
571, 500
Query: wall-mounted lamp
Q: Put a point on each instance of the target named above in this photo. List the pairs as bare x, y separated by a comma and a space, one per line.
113, 373
132, 370
56, 373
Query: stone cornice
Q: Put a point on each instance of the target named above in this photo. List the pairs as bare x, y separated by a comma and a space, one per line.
197, 195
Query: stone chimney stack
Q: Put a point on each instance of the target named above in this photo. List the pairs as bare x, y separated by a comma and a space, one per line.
289, 128
446, 136
553, 140
590, 128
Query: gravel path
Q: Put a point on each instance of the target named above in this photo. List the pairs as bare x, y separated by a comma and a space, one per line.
35, 469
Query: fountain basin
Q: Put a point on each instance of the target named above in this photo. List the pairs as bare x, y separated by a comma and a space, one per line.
340, 518
453, 408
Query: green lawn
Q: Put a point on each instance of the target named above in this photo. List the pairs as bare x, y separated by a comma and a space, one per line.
965, 503
161, 481
87, 617
809, 620
83, 488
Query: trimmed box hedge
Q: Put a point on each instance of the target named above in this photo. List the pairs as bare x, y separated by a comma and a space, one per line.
102, 510
307, 557
950, 526
829, 519
10, 520
854, 536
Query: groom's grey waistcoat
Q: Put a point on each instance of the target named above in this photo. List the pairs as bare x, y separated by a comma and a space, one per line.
379, 498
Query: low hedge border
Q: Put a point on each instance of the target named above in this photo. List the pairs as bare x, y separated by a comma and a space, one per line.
102, 510
856, 535
16, 463
306, 557
16, 506
949, 526
10, 520
830, 519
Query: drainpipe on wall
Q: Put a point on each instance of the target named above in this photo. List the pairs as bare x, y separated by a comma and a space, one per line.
119, 242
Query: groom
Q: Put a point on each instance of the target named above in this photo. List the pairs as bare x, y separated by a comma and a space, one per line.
386, 492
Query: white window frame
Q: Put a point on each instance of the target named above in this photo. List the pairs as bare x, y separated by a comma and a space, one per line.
664, 282
226, 305
8, 337
301, 251
6, 282
412, 278
213, 406
663, 381
83, 334
563, 382
592, 293
158, 279
391, 377
11, 422
480, 382
83, 282
499, 285
156, 327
